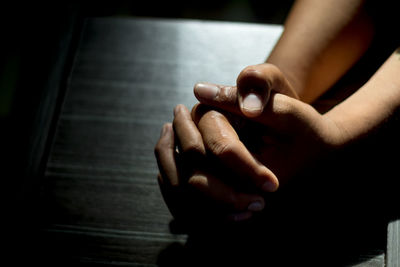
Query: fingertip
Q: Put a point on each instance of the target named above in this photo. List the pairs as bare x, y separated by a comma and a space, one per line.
269, 186
257, 205
240, 216
179, 108
166, 129
205, 91
271, 182
168, 126
252, 104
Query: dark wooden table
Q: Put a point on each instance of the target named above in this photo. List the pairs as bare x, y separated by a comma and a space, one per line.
100, 199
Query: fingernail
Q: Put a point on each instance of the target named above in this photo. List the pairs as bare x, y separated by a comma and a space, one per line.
269, 186
252, 103
206, 91
241, 216
256, 206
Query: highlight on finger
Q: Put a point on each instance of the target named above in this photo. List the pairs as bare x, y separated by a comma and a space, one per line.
165, 155
187, 134
254, 85
225, 195
222, 141
251, 104
220, 96
264, 78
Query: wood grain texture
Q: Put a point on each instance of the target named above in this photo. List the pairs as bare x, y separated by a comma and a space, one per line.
393, 244
101, 200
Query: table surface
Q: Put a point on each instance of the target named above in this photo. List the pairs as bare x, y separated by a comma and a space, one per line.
100, 196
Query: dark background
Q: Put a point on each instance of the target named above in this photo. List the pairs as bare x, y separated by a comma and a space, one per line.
38, 42
36, 52
34, 38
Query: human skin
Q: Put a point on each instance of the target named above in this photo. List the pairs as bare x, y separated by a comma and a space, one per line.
320, 42
293, 127
317, 47
291, 134
287, 131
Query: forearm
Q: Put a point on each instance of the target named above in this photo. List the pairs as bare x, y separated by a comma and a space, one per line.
321, 41
372, 105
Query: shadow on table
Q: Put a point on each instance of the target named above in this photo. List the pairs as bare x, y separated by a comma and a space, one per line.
333, 215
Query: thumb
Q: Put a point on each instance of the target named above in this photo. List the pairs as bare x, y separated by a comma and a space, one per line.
254, 86
281, 112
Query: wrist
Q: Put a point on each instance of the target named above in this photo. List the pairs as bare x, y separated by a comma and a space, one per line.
337, 134
294, 76
370, 107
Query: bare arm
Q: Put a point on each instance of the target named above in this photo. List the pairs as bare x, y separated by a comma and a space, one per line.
321, 41
372, 105
311, 133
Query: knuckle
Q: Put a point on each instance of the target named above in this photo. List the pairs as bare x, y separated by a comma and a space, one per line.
283, 105
157, 149
161, 147
197, 181
226, 94
223, 148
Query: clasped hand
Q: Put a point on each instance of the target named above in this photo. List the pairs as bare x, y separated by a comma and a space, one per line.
240, 142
